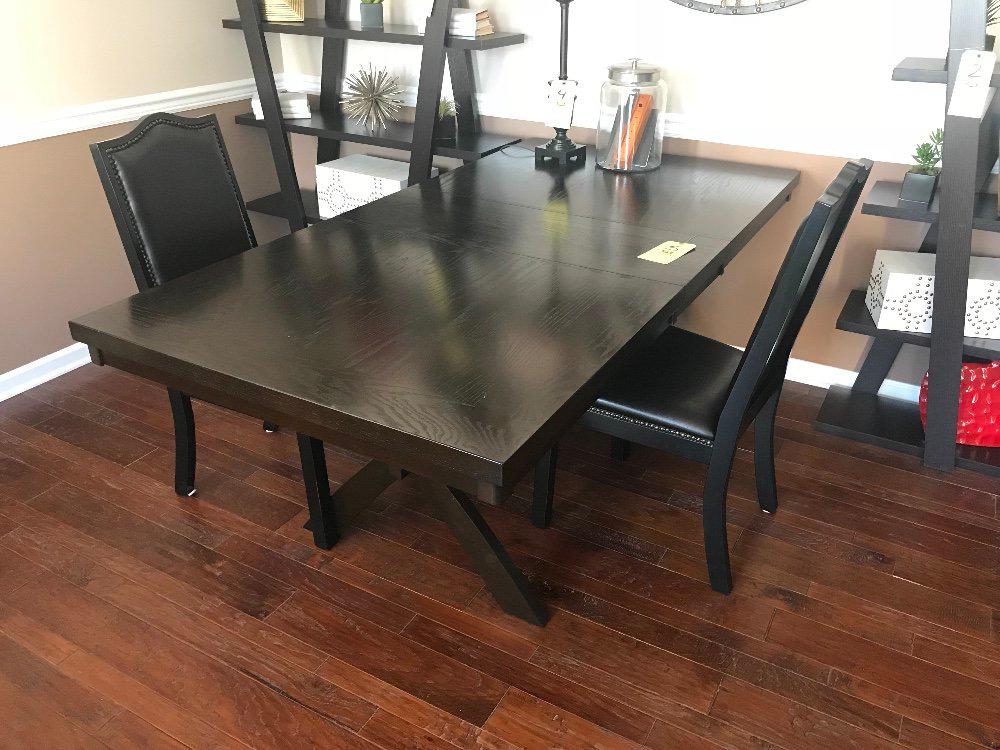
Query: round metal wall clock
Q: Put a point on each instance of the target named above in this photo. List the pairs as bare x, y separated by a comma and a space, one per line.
736, 7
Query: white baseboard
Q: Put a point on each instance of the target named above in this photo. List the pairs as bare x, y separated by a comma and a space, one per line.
823, 376
43, 370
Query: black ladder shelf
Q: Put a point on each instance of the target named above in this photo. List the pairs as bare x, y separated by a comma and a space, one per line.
962, 205
331, 126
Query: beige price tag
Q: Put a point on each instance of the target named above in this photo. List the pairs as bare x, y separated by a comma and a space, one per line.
668, 252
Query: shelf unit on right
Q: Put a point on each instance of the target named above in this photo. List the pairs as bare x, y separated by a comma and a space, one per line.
961, 205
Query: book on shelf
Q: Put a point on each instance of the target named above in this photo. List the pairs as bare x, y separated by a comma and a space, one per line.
294, 106
465, 22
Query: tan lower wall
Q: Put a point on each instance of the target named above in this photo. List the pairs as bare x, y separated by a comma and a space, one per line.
61, 255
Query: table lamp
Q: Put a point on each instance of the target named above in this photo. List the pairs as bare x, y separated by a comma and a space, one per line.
562, 97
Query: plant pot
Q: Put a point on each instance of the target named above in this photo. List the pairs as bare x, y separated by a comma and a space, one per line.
978, 406
372, 15
446, 129
918, 189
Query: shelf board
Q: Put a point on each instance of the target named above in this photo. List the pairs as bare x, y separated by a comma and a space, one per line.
856, 319
929, 70
399, 135
320, 27
272, 205
883, 200
891, 423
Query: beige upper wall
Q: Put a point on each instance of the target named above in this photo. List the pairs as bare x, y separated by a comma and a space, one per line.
58, 54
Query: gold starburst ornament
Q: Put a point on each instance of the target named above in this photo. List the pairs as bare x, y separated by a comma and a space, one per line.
371, 97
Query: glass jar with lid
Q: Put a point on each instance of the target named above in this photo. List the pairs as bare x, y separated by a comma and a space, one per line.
630, 132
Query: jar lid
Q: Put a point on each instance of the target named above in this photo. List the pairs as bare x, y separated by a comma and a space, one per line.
633, 71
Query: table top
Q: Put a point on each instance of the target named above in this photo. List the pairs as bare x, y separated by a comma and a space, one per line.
455, 328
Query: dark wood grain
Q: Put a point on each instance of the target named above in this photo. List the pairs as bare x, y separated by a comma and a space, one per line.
410, 337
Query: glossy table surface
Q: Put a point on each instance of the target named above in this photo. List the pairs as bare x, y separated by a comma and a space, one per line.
454, 328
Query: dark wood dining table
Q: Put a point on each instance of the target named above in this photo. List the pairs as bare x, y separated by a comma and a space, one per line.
453, 330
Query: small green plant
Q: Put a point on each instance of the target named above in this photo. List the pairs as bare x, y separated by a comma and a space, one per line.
992, 12
447, 108
371, 2
927, 159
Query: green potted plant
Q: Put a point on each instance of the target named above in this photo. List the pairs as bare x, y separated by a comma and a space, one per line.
921, 181
372, 16
447, 122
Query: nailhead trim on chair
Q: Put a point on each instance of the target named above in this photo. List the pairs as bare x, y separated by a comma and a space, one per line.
151, 277
650, 426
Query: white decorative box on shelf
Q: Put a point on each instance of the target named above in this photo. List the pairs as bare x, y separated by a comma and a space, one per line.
352, 181
900, 293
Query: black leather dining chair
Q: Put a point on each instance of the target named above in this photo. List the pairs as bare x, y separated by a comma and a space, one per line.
693, 396
178, 208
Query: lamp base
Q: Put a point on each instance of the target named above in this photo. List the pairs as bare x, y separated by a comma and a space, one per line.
561, 150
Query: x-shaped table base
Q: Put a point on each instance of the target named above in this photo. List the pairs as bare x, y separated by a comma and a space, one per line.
330, 513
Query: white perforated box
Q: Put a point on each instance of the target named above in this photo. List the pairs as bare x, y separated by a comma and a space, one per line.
900, 293
352, 181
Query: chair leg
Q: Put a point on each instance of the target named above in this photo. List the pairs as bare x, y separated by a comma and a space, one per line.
620, 449
763, 455
544, 489
713, 514
185, 457
270, 427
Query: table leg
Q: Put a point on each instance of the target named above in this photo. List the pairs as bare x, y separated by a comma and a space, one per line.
503, 578
322, 523
332, 512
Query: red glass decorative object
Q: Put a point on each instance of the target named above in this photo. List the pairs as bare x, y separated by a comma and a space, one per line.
978, 405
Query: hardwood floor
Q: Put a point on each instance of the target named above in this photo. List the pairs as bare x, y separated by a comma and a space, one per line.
866, 612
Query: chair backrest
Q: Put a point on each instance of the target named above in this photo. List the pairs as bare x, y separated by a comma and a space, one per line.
174, 197
762, 369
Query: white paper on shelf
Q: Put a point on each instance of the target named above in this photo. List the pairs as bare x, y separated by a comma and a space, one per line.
972, 92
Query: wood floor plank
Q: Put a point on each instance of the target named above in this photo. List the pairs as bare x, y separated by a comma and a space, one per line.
675, 716
81, 561
27, 409
869, 476
106, 442
905, 674
51, 690
916, 711
788, 724
22, 482
389, 731
263, 508
28, 724
127, 731
976, 667
15, 571
318, 583
236, 703
600, 709
533, 724
297, 684
125, 488
439, 680
177, 556
934, 606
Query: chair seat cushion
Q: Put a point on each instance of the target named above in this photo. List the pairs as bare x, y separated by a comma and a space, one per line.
680, 383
